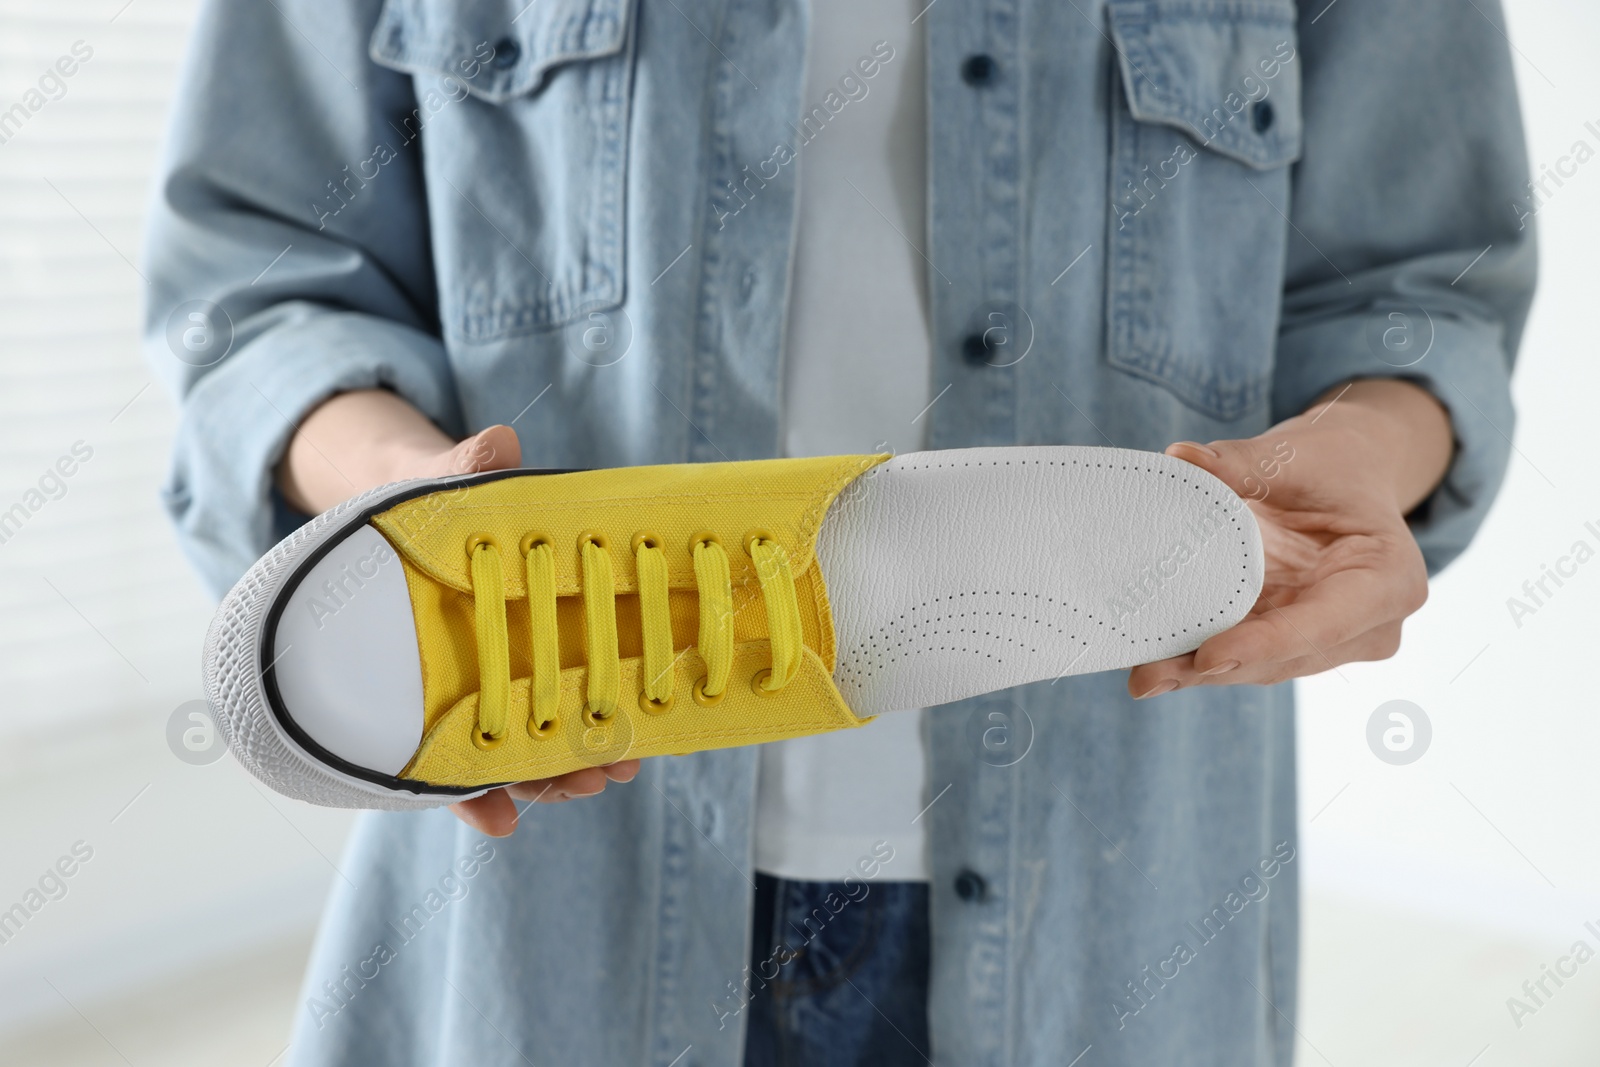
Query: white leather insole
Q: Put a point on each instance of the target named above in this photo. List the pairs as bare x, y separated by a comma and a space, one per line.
961, 572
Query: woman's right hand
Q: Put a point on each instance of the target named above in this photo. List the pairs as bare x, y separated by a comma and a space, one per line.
360, 440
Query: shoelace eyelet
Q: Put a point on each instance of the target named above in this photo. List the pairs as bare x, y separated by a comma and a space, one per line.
752, 536
652, 707
701, 697
599, 588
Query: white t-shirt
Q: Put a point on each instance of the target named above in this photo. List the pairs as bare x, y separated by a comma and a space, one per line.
856, 381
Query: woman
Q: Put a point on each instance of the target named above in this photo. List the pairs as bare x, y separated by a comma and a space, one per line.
433, 237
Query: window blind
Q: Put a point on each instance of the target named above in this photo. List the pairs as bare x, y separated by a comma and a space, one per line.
100, 618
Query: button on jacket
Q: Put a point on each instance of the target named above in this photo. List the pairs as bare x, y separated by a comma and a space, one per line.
1188, 219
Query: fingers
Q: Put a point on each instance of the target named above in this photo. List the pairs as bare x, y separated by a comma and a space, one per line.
493, 449
1377, 644
1228, 461
1250, 467
492, 814
625, 771
584, 783
495, 812
571, 786
1334, 622
1334, 611
1155, 679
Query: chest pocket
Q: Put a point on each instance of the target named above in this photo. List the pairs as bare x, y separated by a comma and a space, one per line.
523, 114
1206, 122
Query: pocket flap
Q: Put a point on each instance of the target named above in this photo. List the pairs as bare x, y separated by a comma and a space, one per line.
498, 49
1225, 72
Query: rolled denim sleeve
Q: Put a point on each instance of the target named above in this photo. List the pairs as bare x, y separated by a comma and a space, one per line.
1412, 251
287, 199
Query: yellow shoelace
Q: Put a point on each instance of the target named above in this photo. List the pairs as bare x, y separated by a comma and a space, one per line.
713, 582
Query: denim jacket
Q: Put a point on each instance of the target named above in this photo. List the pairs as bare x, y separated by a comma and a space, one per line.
1188, 218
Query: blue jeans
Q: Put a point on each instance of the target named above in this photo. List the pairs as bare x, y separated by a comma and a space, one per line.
851, 981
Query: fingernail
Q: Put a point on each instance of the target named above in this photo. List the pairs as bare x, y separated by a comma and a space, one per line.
1222, 668
1198, 447
1162, 687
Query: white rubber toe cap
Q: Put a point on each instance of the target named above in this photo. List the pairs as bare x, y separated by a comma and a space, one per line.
346, 660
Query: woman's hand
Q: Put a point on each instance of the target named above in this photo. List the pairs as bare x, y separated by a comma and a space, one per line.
360, 440
1330, 490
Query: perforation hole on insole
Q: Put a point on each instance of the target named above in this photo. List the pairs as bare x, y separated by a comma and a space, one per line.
943, 619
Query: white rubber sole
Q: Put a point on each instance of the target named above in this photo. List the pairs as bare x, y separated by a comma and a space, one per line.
236, 676
949, 574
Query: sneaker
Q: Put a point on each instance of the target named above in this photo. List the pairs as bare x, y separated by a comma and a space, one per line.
429, 640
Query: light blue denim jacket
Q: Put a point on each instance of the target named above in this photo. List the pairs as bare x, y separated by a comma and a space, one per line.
1191, 216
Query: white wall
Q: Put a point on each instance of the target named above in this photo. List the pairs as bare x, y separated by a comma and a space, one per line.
1513, 707
1454, 879
101, 620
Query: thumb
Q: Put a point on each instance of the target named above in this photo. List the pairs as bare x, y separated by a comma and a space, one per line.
493, 449
1236, 463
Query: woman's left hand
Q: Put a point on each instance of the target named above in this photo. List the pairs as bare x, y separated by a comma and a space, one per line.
1330, 490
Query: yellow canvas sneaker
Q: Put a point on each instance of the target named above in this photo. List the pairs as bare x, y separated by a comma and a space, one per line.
429, 640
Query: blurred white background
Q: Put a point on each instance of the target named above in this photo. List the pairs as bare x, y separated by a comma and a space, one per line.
1433, 890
